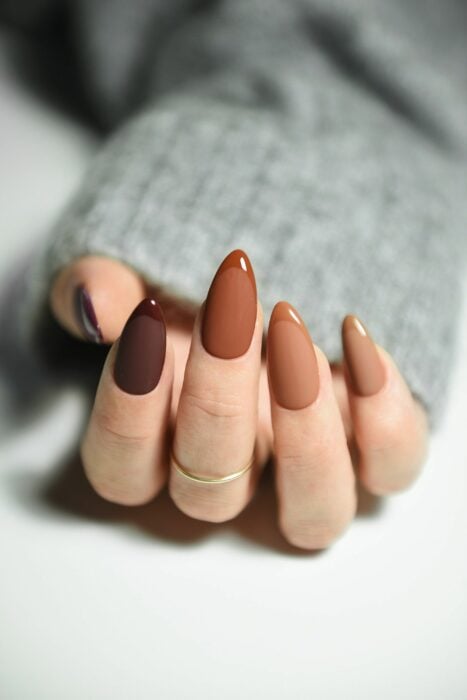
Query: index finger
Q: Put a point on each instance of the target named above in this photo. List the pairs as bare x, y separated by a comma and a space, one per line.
124, 450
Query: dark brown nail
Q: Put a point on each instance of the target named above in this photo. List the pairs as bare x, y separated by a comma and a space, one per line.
141, 349
86, 316
229, 315
291, 359
361, 356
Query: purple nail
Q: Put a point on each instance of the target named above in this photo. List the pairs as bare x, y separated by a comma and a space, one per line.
86, 316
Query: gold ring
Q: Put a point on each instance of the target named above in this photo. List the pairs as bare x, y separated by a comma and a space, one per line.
211, 479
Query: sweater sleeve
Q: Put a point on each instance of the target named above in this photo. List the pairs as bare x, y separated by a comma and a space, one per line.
301, 135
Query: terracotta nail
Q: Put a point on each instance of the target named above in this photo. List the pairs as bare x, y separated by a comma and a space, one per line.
141, 349
361, 357
229, 314
86, 315
291, 359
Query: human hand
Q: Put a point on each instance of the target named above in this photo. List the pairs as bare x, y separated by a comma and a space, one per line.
206, 392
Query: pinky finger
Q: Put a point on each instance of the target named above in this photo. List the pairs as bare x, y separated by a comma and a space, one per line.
390, 426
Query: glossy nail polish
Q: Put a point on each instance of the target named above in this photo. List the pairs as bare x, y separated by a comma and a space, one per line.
291, 359
86, 315
361, 356
141, 349
229, 315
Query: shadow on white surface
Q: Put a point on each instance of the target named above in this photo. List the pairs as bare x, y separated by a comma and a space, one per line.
67, 493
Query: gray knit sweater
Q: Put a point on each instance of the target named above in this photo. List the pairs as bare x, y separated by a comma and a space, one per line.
328, 138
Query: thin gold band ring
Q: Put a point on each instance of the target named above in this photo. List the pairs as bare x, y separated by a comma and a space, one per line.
211, 479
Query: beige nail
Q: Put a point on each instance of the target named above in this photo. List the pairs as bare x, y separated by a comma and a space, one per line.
291, 359
362, 359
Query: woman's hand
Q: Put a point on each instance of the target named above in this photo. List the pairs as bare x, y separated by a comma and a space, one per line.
188, 402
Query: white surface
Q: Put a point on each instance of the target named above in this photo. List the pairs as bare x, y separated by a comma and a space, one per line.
102, 602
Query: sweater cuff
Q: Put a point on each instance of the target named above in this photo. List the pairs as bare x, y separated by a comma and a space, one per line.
335, 222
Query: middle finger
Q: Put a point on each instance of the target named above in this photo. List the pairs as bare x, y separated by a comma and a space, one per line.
216, 425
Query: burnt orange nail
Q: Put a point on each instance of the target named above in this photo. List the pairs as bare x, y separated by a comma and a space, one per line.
362, 359
229, 315
291, 359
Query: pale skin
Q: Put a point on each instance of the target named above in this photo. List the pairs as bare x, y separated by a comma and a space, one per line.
217, 412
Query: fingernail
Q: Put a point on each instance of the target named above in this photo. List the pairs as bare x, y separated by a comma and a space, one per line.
361, 356
291, 359
141, 349
229, 315
86, 316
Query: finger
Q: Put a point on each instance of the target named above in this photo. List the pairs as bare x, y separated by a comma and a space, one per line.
390, 427
342, 398
314, 474
125, 448
217, 417
93, 297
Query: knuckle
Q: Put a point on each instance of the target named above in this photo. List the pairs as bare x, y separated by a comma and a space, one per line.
103, 489
297, 464
96, 478
201, 506
212, 404
391, 431
391, 460
392, 452
388, 482
311, 460
118, 492
316, 531
311, 535
116, 479
115, 431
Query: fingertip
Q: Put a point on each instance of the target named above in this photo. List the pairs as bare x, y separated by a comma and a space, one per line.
93, 297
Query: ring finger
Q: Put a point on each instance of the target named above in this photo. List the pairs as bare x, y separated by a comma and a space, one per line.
314, 474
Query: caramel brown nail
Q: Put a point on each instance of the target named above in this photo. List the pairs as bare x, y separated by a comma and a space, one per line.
141, 349
291, 359
361, 356
229, 315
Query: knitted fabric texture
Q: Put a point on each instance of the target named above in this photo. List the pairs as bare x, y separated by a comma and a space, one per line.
325, 138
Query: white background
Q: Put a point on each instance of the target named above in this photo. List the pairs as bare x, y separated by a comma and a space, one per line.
102, 602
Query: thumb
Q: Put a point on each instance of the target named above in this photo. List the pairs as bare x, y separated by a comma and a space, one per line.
93, 296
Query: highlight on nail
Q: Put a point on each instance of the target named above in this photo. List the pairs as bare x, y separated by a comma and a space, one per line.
291, 359
141, 349
85, 315
365, 367
230, 309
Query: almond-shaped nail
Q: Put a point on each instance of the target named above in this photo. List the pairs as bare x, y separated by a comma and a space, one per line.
229, 314
361, 356
291, 359
86, 315
141, 349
